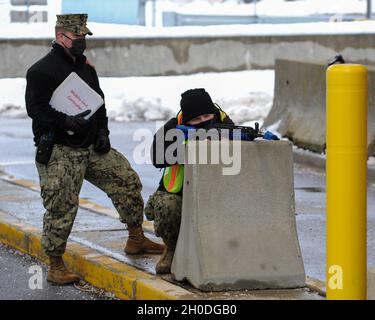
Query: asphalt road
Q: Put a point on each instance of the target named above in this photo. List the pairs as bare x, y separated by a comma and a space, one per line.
19, 280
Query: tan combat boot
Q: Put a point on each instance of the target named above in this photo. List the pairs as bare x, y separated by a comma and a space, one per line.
58, 274
137, 243
165, 262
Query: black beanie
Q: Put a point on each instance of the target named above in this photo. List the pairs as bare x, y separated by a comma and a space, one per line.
194, 103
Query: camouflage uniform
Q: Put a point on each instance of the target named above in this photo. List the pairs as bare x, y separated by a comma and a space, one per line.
61, 180
165, 209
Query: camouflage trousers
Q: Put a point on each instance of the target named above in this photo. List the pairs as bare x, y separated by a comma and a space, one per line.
61, 181
165, 209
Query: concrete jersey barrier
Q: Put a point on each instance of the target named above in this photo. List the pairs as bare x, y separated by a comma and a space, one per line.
299, 106
239, 231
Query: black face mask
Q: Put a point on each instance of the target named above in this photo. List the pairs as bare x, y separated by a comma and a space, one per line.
206, 123
78, 46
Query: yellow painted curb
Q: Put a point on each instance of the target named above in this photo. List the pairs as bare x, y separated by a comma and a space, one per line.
124, 281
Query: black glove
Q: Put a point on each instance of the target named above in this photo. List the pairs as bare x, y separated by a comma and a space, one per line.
77, 123
102, 144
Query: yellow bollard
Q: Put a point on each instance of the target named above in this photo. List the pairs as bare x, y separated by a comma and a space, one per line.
346, 170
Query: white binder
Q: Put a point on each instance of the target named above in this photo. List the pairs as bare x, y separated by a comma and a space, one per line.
74, 96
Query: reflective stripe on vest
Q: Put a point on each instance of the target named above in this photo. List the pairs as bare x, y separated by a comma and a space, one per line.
173, 176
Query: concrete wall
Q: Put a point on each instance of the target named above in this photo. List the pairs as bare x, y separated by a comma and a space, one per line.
239, 231
300, 104
170, 56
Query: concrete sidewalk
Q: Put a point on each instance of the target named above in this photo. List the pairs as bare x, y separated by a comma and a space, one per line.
95, 250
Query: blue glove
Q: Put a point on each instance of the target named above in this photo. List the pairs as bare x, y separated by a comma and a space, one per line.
268, 135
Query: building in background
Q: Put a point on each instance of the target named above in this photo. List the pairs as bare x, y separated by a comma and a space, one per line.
130, 12
109, 11
168, 13
29, 11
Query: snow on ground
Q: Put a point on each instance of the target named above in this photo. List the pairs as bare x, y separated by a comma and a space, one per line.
100, 30
246, 95
334, 28
371, 161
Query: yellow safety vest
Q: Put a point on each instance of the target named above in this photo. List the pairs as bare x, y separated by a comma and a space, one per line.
173, 176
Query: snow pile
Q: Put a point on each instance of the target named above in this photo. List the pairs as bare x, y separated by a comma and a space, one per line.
245, 96
12, 97
313, 28
371, 162
117, 31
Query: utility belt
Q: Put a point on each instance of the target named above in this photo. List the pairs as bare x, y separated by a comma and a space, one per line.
48, 140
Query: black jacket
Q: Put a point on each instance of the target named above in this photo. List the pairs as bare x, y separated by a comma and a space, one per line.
157, 146
42, 80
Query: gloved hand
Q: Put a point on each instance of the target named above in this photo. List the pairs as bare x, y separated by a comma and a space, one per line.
102, 144
77, 123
